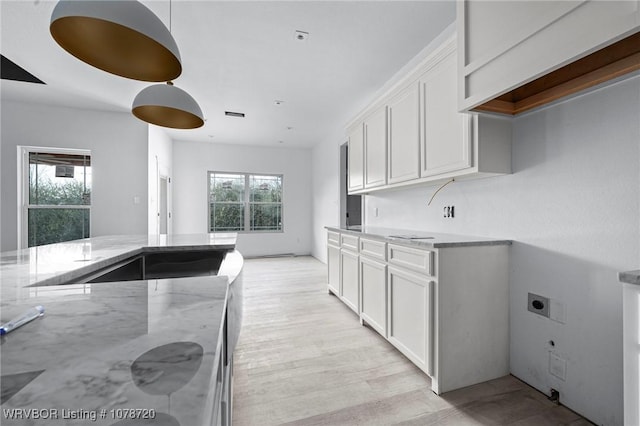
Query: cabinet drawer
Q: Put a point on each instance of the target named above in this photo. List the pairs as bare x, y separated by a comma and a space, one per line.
415, 259
349, 242
374, 249
333, 238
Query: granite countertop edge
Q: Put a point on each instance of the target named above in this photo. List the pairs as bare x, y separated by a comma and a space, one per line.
440, 240
630, 277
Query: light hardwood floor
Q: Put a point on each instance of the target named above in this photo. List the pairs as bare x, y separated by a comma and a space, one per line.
304, 359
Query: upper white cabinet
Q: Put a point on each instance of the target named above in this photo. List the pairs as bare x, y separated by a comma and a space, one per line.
427, 139
404, 135
356, 158
375, 149
503, 45
446, 144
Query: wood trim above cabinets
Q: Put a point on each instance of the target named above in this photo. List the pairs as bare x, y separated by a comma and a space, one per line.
612, 62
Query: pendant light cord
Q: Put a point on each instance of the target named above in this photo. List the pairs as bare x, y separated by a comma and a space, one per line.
170, 16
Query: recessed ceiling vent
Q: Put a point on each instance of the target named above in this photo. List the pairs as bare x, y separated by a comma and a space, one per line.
234, 114
11, 71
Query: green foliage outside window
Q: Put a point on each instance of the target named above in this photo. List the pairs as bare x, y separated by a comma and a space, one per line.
52, 215
244, 202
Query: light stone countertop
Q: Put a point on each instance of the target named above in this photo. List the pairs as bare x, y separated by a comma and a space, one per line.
80, 356
420, 240
54, 264
630, 277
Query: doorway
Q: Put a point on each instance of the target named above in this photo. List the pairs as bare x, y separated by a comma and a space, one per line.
350, 205
163, 203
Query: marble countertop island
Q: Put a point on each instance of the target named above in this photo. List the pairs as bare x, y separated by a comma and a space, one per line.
419, 239
103, 353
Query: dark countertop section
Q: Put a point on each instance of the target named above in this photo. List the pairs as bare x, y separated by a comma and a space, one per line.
419, 239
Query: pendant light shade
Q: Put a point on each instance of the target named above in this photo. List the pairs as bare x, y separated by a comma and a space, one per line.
122, 37
167, 106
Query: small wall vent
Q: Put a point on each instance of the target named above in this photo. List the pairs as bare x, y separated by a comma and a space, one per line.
234, 114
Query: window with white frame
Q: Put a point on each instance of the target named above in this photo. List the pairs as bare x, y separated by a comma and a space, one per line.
56, 194
245, 202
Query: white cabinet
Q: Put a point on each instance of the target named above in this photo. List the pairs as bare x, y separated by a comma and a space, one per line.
446, 308
410, 299
356, 158
418, 260
428, 140
631, 352
503, 45
373, 287
333, 268
404, 135
446, 141
349, 279
375, 149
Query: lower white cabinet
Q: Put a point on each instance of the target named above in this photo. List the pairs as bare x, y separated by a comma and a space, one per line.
410, 316
373, 289
349, 279
445, 308
333, 264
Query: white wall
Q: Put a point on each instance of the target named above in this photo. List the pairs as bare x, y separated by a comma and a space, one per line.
118, 144
192, 161
326, 191
160, 164
571, 207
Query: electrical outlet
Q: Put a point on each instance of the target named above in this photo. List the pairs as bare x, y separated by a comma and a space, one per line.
449, 211
557, 366
538, 304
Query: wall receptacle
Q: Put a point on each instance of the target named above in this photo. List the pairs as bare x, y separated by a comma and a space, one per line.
538, 304
557, 366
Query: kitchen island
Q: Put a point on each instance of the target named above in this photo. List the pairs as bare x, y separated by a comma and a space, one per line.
155, 351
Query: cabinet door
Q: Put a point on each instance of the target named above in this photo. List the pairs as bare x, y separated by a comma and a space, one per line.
410, 310
349, 279
446, 142
503, 44
404, 135
356, 158
375, 149
333, 266
373, 301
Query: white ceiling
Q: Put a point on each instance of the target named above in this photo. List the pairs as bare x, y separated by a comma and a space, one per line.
242, 56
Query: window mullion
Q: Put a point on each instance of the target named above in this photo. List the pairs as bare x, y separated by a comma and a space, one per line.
247, 206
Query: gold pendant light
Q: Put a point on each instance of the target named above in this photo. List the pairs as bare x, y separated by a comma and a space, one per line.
122, 37
168, 106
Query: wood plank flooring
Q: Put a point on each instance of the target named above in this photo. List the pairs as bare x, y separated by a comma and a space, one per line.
304, 359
